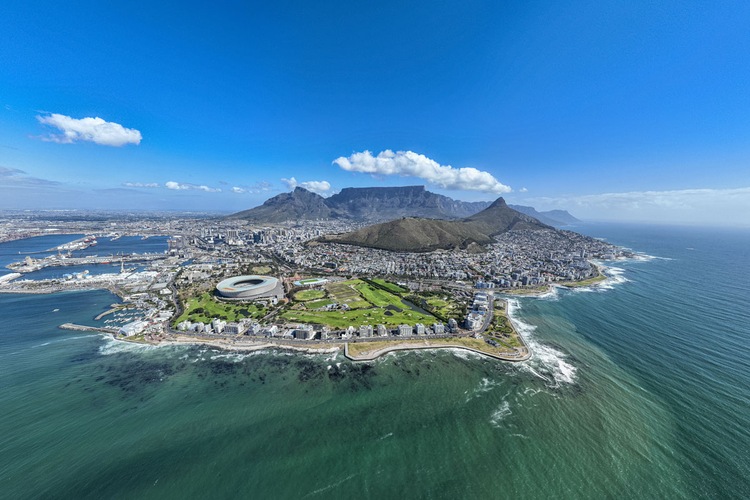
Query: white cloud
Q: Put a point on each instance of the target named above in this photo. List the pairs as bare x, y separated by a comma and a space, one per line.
180, 186
523, 190
89, 129
411, 164
141, 184
176, 185
256, 188
320, 187
704, 206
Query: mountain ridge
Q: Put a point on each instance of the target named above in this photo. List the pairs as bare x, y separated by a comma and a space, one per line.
410, 234
375, 204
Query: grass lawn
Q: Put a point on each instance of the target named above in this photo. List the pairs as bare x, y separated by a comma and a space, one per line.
501, 329
371, 316
261, 269
306, 295
344, 292
590, 281
204, 308
390, 286
317, 304
444, 306
378, 297
369, 305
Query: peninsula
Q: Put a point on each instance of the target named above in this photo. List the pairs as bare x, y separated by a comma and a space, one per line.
335, 283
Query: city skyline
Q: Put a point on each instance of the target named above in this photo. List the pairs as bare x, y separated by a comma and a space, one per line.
610, 111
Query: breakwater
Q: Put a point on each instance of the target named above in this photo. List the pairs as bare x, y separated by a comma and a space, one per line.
84, 328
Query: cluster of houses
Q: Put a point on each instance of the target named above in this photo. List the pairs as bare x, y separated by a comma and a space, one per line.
308, 332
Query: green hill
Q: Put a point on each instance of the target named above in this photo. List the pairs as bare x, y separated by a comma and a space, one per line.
425, 235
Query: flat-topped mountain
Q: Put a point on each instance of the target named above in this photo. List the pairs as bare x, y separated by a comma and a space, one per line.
425, 235
384, 203
376, 204
364, 204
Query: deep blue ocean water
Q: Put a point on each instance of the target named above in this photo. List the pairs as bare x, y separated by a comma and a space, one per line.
639, 388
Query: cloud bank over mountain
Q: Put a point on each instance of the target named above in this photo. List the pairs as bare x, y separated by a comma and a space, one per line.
411, 164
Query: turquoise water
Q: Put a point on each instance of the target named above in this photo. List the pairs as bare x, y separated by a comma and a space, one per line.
638, 389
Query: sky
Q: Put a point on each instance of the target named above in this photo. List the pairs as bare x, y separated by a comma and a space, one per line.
612, 110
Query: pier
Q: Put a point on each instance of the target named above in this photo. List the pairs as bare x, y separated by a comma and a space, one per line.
84, 328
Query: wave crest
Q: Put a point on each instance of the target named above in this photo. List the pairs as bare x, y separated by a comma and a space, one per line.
547, 363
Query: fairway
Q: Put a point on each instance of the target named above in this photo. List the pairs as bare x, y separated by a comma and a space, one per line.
389, 285
306, 295
378, 297
368, 305
344, 292
205, 308
372, 316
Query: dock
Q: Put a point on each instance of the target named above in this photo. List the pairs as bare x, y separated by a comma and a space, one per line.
84, 328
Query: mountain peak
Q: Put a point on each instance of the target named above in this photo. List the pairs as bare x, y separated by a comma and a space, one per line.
372, 204
500, 202
425, 235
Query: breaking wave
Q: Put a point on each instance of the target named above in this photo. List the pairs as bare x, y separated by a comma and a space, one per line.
546, 362
500, 414
114, 346
485, 385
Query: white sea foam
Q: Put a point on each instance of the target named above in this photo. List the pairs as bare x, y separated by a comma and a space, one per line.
66, 339
236, 357
464, 354
546, 362
531, 391
643, 257
113, 346
500, 414
332, 357
614, 276
485, 385
553, 294
329, 486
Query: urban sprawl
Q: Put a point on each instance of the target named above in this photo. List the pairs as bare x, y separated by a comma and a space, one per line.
327, 292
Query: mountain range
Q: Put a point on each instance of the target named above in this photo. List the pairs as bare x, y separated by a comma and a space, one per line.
376, 204
410, 234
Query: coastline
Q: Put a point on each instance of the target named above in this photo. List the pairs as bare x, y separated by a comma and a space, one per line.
543, 290
171, 337
380, 347
410, 345
522, 354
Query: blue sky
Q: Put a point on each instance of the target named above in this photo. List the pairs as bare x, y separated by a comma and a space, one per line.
612, 110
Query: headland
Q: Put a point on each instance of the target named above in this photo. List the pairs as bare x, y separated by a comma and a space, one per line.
239, 285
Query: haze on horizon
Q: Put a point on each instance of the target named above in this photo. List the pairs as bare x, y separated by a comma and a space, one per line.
623, 111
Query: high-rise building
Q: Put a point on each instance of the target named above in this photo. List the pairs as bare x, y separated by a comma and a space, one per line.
404, 330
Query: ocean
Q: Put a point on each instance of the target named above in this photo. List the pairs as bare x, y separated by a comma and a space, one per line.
638, 388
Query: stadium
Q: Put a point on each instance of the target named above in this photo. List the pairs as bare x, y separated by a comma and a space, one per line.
250, 287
